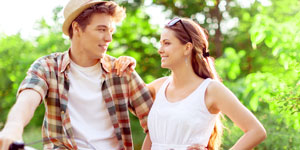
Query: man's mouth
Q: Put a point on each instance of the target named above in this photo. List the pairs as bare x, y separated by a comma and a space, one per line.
103, 46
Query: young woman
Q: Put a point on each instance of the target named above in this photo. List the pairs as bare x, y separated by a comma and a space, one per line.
188, 103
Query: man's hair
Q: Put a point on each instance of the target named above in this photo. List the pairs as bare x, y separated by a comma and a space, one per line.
107, 7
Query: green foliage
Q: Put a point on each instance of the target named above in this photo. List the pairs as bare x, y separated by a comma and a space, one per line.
271, 86
228, 66
260, 61
33, 134
280, 35
14, 63
280, 135
16, 56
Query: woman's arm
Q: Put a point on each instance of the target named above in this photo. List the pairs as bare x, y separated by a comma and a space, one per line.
225, 101
147, 143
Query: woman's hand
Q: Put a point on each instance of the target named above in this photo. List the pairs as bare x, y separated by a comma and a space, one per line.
196, 147
123, 63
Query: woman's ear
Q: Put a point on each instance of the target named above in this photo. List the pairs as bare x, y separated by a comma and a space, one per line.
188, 48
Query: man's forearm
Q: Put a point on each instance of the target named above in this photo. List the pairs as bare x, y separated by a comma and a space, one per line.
22, 111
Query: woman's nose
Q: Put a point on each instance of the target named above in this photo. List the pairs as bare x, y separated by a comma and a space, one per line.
160, 50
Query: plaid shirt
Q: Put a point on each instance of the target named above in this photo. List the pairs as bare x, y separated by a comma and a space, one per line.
48, 76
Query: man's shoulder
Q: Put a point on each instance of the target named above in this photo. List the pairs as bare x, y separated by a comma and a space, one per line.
51, 58
49, 62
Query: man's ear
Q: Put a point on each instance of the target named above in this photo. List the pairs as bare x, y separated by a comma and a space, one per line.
76, 28
188, 48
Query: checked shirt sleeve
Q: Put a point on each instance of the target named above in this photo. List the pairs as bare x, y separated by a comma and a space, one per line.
140, 100
35, 79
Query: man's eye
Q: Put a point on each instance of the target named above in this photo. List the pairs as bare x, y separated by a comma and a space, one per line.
103, 30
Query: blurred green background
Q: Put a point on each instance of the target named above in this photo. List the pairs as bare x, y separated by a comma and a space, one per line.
256, 45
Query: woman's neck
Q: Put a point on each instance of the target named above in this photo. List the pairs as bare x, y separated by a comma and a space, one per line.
183, 74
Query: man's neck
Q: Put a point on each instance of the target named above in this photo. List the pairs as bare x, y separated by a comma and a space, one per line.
80, 57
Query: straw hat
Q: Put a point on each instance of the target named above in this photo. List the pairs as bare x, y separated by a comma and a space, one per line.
73, 9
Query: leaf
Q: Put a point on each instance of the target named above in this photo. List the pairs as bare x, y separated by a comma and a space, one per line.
257, 37
254, 103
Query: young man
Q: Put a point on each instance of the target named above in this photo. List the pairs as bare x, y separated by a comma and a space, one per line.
86, 107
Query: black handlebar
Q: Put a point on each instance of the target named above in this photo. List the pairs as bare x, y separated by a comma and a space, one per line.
17, 146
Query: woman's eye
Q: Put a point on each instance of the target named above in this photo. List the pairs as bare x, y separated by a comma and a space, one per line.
167, 43
103, 30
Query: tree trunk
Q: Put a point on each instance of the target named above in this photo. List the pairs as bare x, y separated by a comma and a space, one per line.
217, 40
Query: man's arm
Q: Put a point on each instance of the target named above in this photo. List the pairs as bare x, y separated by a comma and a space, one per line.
140, 99
18, 117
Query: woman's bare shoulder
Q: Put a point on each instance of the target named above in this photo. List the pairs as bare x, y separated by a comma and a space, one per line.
156, 84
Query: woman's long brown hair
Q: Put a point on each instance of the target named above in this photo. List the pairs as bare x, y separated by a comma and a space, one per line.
202, 66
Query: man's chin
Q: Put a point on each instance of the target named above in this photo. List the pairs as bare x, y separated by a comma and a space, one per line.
102, 56
99, 54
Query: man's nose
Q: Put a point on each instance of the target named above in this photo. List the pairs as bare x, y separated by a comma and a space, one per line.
108, 37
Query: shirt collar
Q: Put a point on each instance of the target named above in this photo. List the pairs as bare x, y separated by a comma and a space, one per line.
66, 60
109, 61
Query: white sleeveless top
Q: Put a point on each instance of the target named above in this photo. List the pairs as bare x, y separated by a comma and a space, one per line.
177, 125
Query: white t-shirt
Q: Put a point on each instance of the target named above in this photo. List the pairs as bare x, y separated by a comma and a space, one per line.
89, 116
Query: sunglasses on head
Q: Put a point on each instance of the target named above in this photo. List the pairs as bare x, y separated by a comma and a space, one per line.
174, 21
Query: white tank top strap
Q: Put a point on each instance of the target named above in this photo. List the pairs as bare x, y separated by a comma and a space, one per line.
206, 83
203, 88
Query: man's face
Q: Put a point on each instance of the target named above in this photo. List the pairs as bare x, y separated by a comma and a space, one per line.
97, 35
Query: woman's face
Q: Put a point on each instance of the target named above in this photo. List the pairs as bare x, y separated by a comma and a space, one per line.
171, 50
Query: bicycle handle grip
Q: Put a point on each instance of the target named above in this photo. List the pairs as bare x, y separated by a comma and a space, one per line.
17, 146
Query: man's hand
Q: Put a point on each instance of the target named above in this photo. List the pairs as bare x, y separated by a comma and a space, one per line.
9, 135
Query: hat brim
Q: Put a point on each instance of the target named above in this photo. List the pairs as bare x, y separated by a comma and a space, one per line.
71, 17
